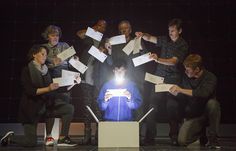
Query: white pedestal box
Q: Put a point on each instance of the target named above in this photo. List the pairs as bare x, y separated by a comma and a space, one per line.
118, 134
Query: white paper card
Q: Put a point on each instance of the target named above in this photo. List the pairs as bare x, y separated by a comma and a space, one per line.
153, 78
116, 92
97, 54
94, 34
163, 87
137, 45
141, 59
117, 40
65, 81
78, 65
129, 47
66, 73
66, 53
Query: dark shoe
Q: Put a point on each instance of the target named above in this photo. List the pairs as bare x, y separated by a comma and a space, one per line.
66, 142
174, 141
148, 142
5, 140
213, 143
203, 140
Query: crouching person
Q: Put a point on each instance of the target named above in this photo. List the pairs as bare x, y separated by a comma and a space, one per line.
197, 95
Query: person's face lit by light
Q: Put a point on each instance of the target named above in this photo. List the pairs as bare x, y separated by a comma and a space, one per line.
119, 74
53, 38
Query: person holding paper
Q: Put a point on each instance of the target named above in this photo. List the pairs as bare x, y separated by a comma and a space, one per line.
91, 77
173, 51
197, 92
37, 102
52, 34
55, 65
118, 97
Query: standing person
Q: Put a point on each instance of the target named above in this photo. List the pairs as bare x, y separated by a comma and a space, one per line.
90, 79
37, 102
55, 65
197, 92
173, 51
119, 107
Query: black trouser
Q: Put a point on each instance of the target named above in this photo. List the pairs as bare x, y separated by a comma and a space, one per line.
173, 111
89, 96
191, 129
29, 139
65, 112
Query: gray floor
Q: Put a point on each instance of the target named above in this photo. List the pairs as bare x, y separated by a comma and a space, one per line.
162, 144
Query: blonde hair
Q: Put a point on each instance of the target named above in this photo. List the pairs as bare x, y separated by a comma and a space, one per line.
193, 61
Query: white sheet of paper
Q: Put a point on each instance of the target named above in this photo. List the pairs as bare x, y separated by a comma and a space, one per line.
116, 92
153, 78
97, 54
137, 45
141, 59
66, 53
129, 47
66, 73
78, 65
163, 87
117, 40
65, 81
94, 34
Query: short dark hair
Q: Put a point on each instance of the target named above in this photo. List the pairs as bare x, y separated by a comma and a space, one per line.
119, 63
175, 22
50, 30
34, 50
193, 61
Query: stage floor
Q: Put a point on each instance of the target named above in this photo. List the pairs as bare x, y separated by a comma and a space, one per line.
162, 144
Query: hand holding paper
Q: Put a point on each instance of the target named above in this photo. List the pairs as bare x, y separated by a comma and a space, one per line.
94, 34
78, 65
153, 78
163, 87
117, 40
142, 59
97, 54
66, 53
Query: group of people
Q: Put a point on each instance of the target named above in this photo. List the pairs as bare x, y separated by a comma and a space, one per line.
191, 102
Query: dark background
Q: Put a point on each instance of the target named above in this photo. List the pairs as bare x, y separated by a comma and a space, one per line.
209, 28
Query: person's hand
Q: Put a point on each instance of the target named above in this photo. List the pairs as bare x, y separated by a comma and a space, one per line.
108, 47
107, 96
53, 86
78, 79
139, 34
127, 94
174, 90
56, 61
153, 56
76, 58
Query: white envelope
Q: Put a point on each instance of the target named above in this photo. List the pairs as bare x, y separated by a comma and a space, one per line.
78, 65
65, 81
66, 53
163, 87
94, 34
97, 54
142, 59
116, 92
137, 45
117, 40
66, 73
129, 47
153, 78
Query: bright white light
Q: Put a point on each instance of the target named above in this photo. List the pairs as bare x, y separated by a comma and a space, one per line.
119, 79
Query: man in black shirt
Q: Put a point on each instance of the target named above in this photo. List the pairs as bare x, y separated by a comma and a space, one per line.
173, 51
197, 93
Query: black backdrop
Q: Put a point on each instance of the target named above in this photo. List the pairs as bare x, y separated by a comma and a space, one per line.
209, 28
